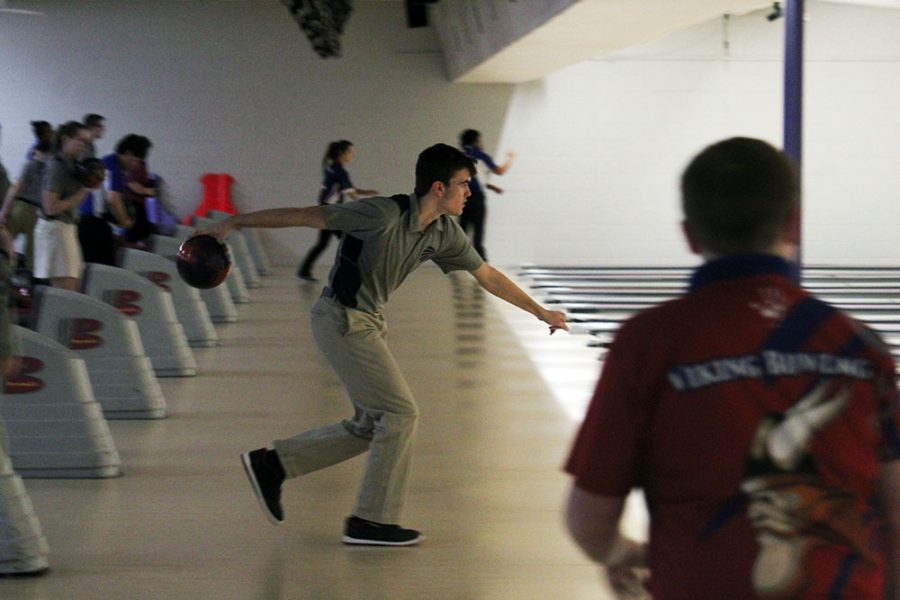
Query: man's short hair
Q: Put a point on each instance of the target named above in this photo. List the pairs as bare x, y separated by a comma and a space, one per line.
738, 196
93, 120
439, 163
69, 129
468, 137
135, 144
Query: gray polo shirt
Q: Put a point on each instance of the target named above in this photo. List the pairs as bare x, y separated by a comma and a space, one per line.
60, 178
382, 244
32, 181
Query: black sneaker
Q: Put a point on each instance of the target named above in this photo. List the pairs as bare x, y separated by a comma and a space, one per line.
36, 572
266, 481
306, 277
369, 533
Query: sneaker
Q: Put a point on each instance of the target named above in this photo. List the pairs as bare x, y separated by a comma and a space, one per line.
306, 277
266, 482
369, 533
24, 574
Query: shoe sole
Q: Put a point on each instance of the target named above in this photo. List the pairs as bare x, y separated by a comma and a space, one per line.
360, 542
257, 491
24, 574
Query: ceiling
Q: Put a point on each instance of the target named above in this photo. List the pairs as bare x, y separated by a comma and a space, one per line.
579, 30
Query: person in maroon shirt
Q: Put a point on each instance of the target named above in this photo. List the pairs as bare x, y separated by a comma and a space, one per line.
761, 422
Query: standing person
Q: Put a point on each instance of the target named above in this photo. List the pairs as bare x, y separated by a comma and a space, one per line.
44, 137
138, 187
335, 186
19, 212
96, 125
472, 219
57, 255
761, 422
384, 240
95, 234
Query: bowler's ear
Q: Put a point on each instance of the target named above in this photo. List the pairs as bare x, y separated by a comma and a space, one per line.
792, 231
438, 187
789, 246
691, 238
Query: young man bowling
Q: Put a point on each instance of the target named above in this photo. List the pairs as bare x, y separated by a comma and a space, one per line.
384, 240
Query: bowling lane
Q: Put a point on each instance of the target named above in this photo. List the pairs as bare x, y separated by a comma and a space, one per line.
181, 522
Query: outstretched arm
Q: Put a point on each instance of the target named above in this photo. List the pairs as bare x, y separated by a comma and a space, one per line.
308, 216
500, 285
357, 193
501, 169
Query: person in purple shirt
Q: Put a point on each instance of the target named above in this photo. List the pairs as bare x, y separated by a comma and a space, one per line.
335, 185
472, 219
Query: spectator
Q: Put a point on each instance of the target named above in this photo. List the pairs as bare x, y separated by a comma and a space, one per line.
98, 244
139, 186
19, 212
57, 255
96, 126
761, 422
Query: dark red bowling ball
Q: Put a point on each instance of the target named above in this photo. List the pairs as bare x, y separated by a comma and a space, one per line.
203, 261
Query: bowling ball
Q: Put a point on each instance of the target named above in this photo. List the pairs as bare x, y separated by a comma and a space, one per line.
90, 172
203, 261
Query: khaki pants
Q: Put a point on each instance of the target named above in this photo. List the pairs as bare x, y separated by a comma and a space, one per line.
22, 219
385, 413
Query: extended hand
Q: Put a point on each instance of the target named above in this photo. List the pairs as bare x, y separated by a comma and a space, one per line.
555, 319
627, 572
219, 230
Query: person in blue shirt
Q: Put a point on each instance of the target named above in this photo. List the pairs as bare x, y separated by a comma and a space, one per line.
472, 219
335, 186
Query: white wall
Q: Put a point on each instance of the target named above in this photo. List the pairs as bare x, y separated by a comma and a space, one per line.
602, 143
234, 86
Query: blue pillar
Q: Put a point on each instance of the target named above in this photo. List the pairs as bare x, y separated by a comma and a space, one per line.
793, 100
